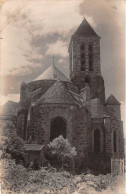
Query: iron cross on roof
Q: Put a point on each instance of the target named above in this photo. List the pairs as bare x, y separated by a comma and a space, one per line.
53, 59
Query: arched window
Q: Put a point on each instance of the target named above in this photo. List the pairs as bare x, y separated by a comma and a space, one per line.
114, 141
57, 128
82, 65
90, 58
82, 57
97, 146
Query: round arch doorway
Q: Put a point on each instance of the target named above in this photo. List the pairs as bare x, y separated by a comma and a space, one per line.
57, 128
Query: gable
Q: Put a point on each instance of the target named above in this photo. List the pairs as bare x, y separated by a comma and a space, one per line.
111, 100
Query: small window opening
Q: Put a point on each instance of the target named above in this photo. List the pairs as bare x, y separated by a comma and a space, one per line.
87, 80
90, 58
82, 65
90, 48
82, 56
33, 136
90, 66
114, 141
82, 47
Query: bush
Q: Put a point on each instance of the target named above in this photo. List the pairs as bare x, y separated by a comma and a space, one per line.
12, 144
16, 179
62, 149
13, 176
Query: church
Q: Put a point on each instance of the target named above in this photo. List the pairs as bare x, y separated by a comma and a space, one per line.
76, 108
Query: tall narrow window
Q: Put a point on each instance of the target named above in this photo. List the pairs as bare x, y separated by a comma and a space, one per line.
97, 141
90, 66
90, 58
82, 65
90, 48
114, 141
33, 136
82, 47
82, 57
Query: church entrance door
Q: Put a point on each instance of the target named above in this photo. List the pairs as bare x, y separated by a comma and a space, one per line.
57, 128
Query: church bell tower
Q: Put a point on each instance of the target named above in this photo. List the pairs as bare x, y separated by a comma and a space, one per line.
84, 55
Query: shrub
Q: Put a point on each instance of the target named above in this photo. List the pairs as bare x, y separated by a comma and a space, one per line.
61, 148
13, 176
12, 144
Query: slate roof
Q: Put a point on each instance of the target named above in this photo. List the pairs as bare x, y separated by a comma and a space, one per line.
37, 93
111, 100
97, 109
85, 29
33, 147
57, 93
52, 73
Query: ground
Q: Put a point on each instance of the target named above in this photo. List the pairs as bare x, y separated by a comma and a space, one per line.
50, 181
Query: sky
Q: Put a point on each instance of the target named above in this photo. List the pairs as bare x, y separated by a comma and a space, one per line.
33, 31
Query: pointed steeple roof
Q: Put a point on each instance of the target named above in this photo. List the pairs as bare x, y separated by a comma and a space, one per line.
52, 73
111, 100
58, 94
85, 29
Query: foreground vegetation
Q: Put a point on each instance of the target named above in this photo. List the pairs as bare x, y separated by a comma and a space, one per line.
17, 179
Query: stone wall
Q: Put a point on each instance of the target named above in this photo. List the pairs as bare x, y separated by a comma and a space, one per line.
110, 126
41, 116
114, 111
82, 125
77, 119
75, 56
22, 123
94, 77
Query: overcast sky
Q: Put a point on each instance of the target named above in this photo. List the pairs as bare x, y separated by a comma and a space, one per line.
33, 31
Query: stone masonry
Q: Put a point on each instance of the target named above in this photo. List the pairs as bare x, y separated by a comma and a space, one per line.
53, 105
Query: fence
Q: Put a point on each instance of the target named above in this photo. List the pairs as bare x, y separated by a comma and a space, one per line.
117, 166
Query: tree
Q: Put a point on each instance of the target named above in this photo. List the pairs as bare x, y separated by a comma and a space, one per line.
12, 144
62, 148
